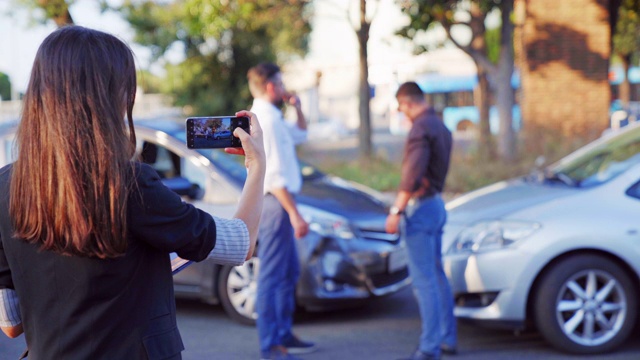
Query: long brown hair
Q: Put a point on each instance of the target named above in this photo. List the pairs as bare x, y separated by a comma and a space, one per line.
70, 182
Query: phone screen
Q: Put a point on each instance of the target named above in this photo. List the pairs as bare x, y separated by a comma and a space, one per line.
213, 132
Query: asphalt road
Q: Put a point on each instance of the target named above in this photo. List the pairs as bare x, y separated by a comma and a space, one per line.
385, 329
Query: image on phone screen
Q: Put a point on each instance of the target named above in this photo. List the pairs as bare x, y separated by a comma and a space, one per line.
212, 132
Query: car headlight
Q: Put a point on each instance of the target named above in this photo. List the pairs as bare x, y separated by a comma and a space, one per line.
491, 235
326, 223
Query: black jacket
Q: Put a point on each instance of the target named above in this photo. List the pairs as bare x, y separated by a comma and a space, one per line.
86, 308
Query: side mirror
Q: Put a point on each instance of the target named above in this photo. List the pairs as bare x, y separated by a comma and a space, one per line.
183, 187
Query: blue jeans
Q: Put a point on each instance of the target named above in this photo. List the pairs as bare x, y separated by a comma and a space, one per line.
279, 271
422, 232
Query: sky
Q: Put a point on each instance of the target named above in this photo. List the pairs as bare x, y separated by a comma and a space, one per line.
20, 39
332, 41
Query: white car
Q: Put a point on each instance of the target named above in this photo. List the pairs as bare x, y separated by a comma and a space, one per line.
558, 250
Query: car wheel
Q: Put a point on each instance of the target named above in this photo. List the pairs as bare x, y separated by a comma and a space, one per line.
586, 304
237, 288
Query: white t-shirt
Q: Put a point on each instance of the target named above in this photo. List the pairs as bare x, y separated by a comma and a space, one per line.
280, 138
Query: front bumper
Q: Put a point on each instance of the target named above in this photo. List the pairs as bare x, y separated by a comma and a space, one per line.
490, 287
339, 273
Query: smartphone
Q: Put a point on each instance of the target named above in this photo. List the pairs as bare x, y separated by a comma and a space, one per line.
214, 132
178, 263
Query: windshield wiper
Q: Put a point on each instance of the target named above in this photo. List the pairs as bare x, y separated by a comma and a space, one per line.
561, 177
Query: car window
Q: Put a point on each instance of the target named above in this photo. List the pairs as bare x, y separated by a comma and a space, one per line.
166, 163
194, 173
7, 153
602, 161
170, 166
634, 190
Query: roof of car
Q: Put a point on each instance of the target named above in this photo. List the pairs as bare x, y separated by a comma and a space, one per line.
161, 124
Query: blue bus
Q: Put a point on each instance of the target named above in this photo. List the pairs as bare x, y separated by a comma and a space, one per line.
620, 116
452, 95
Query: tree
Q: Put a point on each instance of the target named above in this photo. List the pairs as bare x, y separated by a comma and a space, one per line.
221, 40
55, 10
492, 77
361, 30
364, 92
626, 42
5, 87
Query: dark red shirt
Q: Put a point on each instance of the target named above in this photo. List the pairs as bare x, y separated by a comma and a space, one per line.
426, 156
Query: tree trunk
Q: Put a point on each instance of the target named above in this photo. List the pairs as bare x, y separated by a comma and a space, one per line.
624, 89
505, 97
365, 147
482, 93
482, 100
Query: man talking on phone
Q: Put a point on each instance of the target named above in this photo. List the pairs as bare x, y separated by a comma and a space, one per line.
281, 223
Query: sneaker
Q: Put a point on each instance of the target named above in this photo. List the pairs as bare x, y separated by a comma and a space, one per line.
419, 355
277, 353
297, 346
448, 350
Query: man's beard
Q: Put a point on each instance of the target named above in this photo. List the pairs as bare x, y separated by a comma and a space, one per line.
279, 103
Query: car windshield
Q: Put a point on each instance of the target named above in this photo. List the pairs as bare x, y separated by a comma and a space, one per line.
234, 165
600, 162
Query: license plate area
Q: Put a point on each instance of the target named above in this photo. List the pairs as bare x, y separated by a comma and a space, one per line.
398, 259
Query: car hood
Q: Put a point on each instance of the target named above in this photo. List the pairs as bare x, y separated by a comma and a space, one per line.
354, 202
503, 198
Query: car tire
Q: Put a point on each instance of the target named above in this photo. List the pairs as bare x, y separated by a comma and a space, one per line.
586, 304
237, 290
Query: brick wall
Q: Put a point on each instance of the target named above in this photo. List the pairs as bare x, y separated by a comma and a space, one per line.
562, 50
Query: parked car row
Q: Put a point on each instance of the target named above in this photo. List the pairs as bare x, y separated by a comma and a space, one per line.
557, 250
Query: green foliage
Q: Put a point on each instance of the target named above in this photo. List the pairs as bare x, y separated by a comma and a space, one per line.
492, 36
42, 11
425, 14
221, 40
151, 84
626, 40
378, 174
467, 170
5, 86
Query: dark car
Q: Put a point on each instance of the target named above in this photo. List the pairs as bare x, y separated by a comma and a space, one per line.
346, 258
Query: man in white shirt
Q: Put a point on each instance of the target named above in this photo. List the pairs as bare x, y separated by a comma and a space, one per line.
281, 222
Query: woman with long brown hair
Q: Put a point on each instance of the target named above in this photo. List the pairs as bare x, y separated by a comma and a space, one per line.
85, 231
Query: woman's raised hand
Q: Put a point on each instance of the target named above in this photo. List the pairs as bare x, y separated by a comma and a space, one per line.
252, 145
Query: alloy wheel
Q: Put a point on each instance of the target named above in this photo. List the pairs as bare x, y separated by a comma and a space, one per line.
591, 307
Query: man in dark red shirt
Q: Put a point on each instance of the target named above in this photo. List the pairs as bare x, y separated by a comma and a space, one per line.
419, 210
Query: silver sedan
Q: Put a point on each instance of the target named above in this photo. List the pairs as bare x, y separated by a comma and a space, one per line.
558, 250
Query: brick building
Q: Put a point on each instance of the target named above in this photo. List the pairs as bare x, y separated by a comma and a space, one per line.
563, 49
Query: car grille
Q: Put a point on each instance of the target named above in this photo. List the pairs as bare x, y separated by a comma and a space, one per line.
386, 279
475, 300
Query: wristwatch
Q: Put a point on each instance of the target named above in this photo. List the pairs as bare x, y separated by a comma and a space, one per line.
394, 210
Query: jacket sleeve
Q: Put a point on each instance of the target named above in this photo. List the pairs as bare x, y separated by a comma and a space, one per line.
159, 217
6, 281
